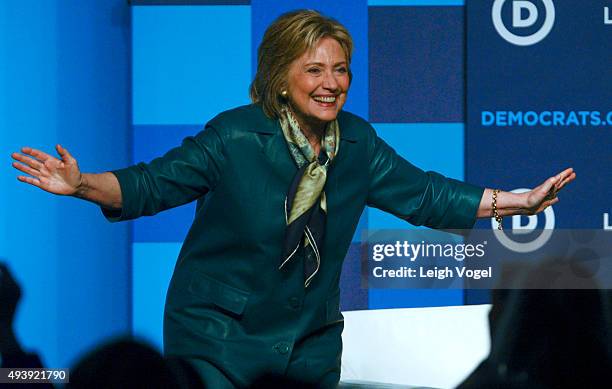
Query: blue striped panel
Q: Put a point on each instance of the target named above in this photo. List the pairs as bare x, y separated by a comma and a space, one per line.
414, 298
153, 264
415, 3
190, 2
363, 224
353, 296
63, 79
430, 146
150, 142
168, 226
187, 66
416, 64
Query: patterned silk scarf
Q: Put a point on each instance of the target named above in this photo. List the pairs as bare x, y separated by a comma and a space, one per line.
305, 204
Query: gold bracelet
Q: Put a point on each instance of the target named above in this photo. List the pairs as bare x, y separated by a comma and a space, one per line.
498, 218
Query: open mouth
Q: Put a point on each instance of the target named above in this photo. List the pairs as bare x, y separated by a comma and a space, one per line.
327, 101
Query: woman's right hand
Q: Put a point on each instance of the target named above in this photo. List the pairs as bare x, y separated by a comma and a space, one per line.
58, 176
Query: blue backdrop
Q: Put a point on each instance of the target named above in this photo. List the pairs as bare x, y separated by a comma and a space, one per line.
64, 77
119, 84
553, 83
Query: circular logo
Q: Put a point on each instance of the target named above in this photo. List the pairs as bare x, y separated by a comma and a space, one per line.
535, 244
518, 6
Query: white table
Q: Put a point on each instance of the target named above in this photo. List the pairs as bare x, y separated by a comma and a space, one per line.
430, 347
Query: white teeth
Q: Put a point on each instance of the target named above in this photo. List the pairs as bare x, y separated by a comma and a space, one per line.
325, 99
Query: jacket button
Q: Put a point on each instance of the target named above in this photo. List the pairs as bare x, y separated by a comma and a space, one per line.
294, 302
282, 348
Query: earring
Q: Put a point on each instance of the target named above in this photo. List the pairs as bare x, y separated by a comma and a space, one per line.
284, 93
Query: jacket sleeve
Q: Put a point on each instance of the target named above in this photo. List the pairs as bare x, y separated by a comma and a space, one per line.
421, 198
182, 175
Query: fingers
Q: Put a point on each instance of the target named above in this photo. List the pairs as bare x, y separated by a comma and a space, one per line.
566, 172
561, 179
31, 162
548, 185
35, 167
566, 181
550, 202
30, 180
66, 156
563, 175
556, 183
37, 154
26, 169
546, 204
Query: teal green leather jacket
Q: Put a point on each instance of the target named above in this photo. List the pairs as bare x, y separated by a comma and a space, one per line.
229, 309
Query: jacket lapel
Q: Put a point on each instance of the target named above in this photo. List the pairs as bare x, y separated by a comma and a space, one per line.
274, 147
347, 139
276, 150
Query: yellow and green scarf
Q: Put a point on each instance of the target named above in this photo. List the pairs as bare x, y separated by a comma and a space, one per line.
305, 204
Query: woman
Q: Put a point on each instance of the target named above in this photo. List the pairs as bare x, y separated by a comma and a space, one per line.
280, 186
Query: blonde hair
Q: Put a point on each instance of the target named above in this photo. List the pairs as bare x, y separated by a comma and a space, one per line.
285, 40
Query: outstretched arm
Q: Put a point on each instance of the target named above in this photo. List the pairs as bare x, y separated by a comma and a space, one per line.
427, 198
63, 177
528, 203
185, 173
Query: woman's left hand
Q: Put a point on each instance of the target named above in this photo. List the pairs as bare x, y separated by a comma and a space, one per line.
545, 195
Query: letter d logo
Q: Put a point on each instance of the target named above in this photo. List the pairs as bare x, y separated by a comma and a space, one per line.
518, 229
518, 6
517, 9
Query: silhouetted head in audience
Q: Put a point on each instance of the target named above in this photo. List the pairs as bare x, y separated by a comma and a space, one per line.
555, 338
130, 364
10, 293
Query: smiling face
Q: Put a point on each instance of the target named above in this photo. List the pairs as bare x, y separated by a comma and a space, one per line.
318, 82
